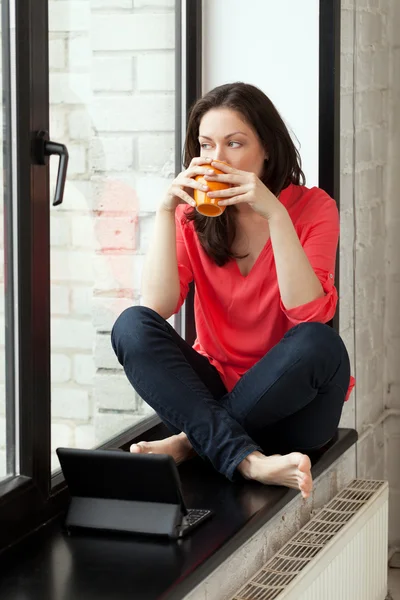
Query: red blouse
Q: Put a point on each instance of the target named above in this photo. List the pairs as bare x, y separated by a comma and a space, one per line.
240, 318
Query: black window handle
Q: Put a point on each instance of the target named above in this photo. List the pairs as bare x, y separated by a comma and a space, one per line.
43, 148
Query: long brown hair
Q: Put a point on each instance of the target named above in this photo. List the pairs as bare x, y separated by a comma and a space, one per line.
283, 166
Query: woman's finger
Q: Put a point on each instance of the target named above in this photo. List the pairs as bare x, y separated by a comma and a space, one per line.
193, 171
230, 192
192, 183
199, 160
234, 200
225, 168
180, 193
228, 178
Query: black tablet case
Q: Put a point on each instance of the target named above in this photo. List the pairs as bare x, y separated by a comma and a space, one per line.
122, 492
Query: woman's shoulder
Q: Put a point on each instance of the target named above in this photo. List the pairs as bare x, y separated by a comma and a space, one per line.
311, 203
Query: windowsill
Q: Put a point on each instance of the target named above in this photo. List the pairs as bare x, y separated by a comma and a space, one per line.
53, 565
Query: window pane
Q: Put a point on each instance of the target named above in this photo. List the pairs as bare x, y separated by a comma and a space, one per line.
112, 94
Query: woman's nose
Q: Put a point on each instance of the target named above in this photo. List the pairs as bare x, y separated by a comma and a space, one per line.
219, 154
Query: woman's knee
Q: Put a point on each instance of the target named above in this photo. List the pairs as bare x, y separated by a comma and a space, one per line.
130, 326
319, 340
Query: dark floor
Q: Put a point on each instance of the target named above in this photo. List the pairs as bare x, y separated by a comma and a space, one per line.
394, 584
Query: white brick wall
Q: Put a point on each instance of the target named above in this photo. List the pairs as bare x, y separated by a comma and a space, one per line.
144, 112
69, 88
156, 72
113, 154
79, 124
61, 368
79, 52
71, 266
59, 300
57, 54
113, 4
59, 231
155, 151
111, 74
71, 16
105, 311
82, 301
153, 3
112, 102
113, 392
84, 369
132, 32
70, 403
71, 334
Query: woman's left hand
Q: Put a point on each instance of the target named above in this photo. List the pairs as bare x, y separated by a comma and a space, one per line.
246, 187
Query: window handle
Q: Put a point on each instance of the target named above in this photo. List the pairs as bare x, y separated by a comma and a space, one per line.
45, 148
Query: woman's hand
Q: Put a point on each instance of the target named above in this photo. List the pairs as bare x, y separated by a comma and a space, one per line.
181, 189
246, 187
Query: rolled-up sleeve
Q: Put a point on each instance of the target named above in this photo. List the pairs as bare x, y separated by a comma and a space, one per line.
183, 259
319, 241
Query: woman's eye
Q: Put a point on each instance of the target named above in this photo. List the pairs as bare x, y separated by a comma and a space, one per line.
236, 146
204, 146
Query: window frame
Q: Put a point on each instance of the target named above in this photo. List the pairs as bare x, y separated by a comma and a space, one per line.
23, 497
329, 111
33, 498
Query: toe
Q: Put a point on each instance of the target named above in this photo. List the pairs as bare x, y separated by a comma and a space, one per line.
305, 483
304, 464
135, 449
308, 486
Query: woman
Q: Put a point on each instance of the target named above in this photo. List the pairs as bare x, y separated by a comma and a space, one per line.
265, 382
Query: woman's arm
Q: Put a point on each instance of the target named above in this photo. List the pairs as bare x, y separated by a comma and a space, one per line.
160, 281
163, 285
298, 283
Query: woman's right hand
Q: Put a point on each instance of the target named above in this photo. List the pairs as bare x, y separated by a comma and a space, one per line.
181, 189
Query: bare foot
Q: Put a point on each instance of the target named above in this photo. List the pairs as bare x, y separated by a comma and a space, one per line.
291, 470
177, 446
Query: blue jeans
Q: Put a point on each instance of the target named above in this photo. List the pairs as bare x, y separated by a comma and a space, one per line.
290, 400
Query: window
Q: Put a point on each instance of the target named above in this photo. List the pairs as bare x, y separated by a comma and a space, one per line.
106, 81
112, 102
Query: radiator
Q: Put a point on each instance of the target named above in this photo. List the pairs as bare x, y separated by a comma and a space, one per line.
341, 554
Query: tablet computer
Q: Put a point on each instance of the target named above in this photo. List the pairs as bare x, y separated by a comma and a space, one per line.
124, 492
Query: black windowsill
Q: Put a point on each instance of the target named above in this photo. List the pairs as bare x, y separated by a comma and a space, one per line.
51, 565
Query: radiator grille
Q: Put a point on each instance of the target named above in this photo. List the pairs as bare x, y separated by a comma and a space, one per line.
322, 531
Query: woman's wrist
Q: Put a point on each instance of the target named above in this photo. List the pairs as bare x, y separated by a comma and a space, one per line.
278, 213
164, 209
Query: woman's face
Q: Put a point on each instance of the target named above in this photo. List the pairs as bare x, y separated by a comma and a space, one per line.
224, 135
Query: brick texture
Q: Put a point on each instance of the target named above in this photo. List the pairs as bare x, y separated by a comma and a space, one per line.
112, 94
112, 103
370, 244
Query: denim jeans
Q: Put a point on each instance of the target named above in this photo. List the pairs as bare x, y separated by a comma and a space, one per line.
290, 400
